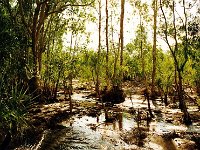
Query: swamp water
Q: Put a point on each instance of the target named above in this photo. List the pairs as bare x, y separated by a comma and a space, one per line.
94, 132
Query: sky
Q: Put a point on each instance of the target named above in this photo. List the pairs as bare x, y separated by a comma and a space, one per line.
131, 22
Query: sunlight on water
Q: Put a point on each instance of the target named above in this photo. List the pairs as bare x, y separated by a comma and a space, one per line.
136, 102
124, 124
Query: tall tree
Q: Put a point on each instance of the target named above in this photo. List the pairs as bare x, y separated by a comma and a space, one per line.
99, 51
155, 8
122, 32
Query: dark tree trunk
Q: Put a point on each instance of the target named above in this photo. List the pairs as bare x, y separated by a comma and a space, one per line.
57, 82
122, 31
107, 44
182, 104
70, 93
142, 53
154, 52
121, 41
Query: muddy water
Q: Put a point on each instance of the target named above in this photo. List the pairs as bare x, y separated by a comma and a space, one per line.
86, 132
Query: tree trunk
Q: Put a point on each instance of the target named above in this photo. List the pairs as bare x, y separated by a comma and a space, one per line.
149, 106
34, 83
70, 93
35, 78
154, 51
122, 36
115, 65
141, 53
182, 104
107, 44
198, 87
116, 53
35, 54
57, 82
98, 55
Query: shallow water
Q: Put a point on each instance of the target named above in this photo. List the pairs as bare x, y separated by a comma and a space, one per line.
86, 132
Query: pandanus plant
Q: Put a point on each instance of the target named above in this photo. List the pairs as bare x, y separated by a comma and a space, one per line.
14, 104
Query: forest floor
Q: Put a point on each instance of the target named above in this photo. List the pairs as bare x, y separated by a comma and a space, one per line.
128, 126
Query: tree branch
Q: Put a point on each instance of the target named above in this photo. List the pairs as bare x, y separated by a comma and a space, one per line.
186, 38
42, 17
62, 8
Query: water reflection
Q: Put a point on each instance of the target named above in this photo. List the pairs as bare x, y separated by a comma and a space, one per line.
120, 119
120, 122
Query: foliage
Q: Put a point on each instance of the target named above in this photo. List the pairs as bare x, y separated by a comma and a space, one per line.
13, 48
14, 104
15, 62
165, 68
139, 52
133, 61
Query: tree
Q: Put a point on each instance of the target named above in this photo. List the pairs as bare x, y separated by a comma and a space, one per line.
141, 49
14, 46
155, 8
14, 98
34, 17
107, 43
179, 61
115, 46
99, 52
122, 35
141, 9
194, 41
